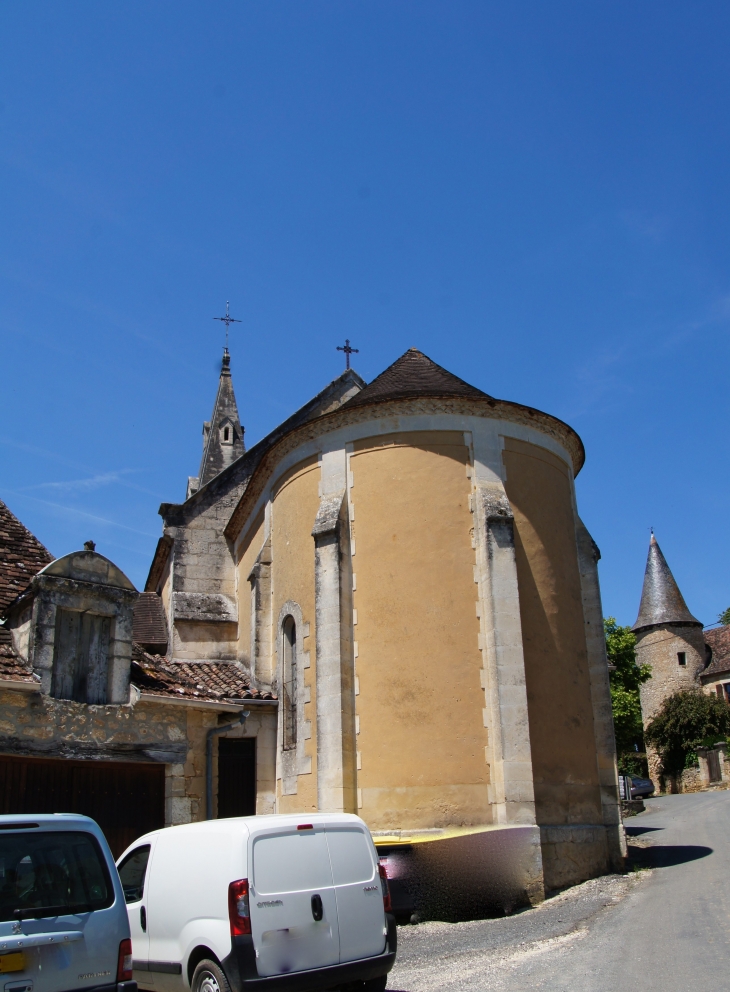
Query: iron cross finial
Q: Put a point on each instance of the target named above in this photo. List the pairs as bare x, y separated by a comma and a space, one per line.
348, 351
227, 320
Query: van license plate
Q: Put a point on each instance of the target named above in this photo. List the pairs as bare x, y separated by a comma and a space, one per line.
12, 962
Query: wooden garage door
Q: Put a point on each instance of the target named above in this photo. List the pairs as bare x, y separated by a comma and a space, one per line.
125, 799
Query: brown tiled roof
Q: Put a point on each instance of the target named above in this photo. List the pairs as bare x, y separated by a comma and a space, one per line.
719, 641
21, 556
12, 668
214, 681
414, 374
149, 626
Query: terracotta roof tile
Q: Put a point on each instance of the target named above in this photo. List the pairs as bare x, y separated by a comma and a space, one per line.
414, 374
149, 627
21, 556
12, 669
719, 641
214, 681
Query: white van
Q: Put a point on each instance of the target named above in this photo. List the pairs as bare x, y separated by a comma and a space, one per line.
63, 922
283, 902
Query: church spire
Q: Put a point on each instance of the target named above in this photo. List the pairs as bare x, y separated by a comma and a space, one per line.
661, 600
222, 434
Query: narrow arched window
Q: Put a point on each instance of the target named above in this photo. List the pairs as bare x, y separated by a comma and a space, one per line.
289, 645
225, 433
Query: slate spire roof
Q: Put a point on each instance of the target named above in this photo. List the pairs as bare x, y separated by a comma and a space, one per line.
414, 374
223, 434
661, 600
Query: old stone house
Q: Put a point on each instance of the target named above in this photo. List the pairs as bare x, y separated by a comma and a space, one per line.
716, 676
403, 565
130, 727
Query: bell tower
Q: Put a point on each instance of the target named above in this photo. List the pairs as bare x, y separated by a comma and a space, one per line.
222, 434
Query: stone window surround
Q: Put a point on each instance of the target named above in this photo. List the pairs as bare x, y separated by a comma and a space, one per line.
294, 761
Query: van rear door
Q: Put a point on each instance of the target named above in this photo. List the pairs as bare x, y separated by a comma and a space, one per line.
356, 876
292, 899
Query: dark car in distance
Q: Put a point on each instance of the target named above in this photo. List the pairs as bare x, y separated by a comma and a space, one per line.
641, 788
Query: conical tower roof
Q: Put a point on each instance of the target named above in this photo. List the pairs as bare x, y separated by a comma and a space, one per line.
223, 435
414, 374
661, 600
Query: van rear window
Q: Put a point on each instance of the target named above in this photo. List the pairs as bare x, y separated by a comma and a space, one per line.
57, 873
291, 863
351, 854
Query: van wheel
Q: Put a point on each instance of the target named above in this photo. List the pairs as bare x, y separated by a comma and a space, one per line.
209, 977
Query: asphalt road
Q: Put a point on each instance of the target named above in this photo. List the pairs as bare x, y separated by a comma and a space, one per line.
661, 928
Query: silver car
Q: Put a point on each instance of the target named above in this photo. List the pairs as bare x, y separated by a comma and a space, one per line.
63, 919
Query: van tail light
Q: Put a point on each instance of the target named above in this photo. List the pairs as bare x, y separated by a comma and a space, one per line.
387, 905
238, 908
124, 965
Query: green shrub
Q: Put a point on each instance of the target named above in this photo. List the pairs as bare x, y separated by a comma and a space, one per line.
633, 763
625, 679
685, 721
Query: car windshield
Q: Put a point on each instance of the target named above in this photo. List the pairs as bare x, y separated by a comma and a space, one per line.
52, 874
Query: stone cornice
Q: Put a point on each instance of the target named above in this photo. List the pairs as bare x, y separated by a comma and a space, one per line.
344, 416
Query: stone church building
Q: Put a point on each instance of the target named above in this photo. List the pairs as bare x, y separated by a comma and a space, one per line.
396, 584
403, 565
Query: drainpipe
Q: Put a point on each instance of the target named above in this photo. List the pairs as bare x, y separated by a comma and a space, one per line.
215, 732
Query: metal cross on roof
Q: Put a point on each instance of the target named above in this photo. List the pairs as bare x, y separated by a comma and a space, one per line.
348, 351
227, 320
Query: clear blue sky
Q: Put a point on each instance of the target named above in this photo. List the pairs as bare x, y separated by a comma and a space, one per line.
534, 194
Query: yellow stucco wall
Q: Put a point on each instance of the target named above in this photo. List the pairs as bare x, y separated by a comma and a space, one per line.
556, 665
247, 554
421, 735
294, 508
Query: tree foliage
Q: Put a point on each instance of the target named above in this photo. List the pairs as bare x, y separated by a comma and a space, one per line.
625, 679
724, 617
688, 719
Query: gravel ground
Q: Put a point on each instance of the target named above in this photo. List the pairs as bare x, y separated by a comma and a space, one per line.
465, 955
662, 928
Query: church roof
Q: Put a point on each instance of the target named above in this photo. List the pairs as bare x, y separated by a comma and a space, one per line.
21, 556
414, 374
718, 640
219, 450
204, 681
661, 600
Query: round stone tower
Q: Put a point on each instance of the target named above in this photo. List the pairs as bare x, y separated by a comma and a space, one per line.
668, 638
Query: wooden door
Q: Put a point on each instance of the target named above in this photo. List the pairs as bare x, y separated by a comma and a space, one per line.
127, 799
713, 766
237, 776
